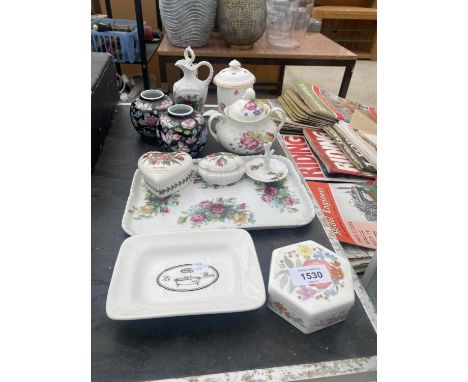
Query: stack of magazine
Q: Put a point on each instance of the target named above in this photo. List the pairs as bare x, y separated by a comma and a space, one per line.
333, 142
308, 105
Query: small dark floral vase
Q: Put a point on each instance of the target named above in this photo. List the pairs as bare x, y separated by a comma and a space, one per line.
145, 110
183, 129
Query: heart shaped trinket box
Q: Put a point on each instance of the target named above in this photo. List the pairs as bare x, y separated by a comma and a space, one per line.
166, 173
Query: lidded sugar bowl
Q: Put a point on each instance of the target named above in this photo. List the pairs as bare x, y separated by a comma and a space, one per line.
221, 168
231, 84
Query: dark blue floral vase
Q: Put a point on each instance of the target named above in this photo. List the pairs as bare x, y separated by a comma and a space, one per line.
145, 111
183, 129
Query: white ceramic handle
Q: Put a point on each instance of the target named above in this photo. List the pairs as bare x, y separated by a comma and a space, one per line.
211, 128
283, 118
210, 76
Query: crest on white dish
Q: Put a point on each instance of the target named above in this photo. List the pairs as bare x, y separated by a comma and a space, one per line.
187, 278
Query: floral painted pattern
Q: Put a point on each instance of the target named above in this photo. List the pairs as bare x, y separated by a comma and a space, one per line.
283, 311
303, 255
276, 176
221, 158
255, 167
179, 134
277, 195
144, 115
154, 206
156, 158
254, 140
215, 211
222, 105
253, 108
188, 123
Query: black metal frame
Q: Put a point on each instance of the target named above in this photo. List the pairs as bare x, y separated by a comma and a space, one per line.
141, 38
348, 64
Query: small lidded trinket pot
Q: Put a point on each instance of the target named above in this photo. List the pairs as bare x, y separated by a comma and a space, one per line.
310, 286
165, 173
221, 168
231, 84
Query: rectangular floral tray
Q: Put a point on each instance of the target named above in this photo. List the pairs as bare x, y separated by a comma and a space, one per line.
245, 204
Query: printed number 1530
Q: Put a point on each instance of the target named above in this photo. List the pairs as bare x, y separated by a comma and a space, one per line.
311, 275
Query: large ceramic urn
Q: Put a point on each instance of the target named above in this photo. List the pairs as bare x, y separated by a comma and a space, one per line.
241, 22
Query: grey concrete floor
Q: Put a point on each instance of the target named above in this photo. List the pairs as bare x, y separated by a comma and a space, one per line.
363, 86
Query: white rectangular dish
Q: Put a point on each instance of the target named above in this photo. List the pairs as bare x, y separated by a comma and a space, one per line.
185, 273
245, 204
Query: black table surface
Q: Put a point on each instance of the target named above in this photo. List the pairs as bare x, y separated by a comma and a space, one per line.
196, 345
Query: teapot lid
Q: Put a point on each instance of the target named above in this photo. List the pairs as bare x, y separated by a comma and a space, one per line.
247, 109
234, 77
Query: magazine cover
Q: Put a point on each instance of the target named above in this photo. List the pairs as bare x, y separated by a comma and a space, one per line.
303, 157
351, 210
331, 155
329, 105
310, 166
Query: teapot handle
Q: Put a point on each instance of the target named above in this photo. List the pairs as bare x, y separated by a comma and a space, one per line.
210, 76
283, 118
211, 127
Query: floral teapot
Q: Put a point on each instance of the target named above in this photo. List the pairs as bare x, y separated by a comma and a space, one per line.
246, 125
189, 89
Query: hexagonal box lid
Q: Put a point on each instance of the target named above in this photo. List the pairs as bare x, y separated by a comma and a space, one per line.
311, 281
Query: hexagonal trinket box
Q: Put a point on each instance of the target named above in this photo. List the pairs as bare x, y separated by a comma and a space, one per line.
310, 286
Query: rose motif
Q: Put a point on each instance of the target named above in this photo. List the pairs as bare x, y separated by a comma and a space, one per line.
165, 157
251, 105
287, 201
204, 204
266, 198
271, 190
217, 208
197, 218
221, 162
222, 105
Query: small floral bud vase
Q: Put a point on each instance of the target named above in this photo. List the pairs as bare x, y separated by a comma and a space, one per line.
145, 110
183, 129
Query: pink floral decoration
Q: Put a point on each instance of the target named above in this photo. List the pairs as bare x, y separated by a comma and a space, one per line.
251, 105
217, 208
